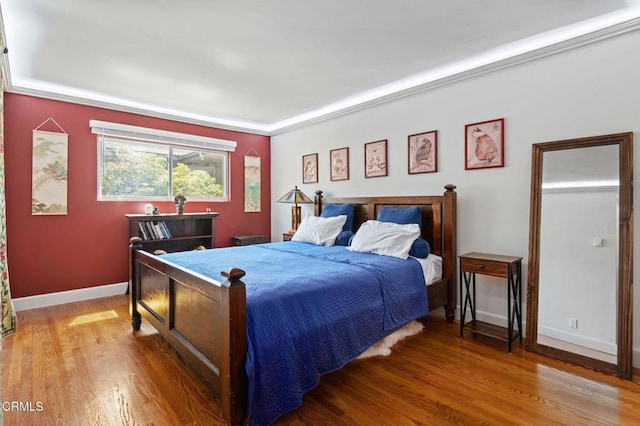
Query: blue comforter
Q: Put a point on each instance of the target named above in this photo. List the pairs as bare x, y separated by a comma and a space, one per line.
310, 310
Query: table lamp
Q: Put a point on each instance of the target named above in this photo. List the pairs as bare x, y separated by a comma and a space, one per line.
295, 196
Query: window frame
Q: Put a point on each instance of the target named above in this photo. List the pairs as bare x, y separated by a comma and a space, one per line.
170, 146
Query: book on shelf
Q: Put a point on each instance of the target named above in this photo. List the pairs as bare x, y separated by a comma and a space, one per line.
165, 229
143, 231
154, 230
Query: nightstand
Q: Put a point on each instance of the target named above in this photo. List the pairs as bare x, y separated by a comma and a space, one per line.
509, 267
286, 236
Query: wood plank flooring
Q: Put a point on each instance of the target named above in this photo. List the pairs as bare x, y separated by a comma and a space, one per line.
85, 366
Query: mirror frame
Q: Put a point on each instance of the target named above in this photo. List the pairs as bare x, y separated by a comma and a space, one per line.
624, 366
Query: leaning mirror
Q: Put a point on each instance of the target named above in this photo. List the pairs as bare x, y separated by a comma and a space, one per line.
579, 287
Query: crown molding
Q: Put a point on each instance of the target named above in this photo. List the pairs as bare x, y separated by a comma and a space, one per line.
529, 56
273, 129
146, 110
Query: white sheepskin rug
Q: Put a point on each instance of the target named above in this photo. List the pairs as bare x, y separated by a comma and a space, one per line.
383, 347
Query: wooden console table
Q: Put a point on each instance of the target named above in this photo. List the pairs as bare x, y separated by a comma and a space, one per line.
509, 267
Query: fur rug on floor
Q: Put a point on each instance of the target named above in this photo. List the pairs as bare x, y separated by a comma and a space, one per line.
383, 347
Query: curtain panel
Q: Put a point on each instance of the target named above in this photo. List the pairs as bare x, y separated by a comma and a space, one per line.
8, 313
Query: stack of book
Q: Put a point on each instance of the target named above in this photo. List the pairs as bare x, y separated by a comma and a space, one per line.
154, 230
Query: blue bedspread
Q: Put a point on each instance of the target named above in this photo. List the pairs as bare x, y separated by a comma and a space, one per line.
310, 310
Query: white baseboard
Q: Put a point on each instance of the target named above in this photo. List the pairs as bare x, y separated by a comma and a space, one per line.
577, 339
61, 297
502, 321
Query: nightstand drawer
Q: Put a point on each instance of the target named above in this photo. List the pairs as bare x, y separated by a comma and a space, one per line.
483, 266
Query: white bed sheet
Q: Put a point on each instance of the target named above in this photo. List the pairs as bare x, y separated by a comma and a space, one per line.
432, 268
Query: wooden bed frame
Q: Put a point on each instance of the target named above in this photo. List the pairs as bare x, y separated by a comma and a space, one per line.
203, 320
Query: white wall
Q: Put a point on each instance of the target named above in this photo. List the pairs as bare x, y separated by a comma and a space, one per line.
591, 90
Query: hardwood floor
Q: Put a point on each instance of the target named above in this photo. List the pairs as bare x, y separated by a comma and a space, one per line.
81, 364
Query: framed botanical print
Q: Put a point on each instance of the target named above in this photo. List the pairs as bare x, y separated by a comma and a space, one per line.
423, 152
484, 144
339, 159
310, 168
375, 159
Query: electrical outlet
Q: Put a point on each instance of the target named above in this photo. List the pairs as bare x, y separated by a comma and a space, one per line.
573, 323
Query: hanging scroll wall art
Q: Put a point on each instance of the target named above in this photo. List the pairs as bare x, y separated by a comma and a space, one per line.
49, 171
252, 184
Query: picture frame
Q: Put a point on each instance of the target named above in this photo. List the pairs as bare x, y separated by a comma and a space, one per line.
310, 168
339, 161
484, 144
422, 149
375, 159
252, 183
50, 171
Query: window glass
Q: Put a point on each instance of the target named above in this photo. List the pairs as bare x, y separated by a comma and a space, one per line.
198, 174
151, 171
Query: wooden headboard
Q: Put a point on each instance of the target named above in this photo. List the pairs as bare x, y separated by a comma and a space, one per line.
439, 222
438, 214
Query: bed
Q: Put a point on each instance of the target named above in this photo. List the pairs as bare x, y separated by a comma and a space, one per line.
218, 326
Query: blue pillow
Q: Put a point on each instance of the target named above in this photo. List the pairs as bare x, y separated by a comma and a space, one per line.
401, 215
406, 216
331, 210
420, 248
344, 238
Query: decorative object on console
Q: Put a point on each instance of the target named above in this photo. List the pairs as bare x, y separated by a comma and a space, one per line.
310, 168
423, 152
484, 144
148, 209
180, 202
375, 159
339, 163
294, 197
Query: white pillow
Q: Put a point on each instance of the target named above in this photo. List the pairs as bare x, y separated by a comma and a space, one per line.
321, 231
385, 238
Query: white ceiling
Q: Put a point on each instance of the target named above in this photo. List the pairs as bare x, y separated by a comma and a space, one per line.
265, 66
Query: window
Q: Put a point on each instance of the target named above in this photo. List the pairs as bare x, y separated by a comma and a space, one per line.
136, 167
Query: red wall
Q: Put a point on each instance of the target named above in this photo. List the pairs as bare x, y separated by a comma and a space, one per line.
88, 246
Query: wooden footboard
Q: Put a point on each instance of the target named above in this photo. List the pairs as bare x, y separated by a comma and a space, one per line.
202, 319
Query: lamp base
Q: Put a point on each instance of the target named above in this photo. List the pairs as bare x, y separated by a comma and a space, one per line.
296, 216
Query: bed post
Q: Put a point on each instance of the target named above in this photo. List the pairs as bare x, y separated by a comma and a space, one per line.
317, 203
136, 319
450, 249
233, 353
